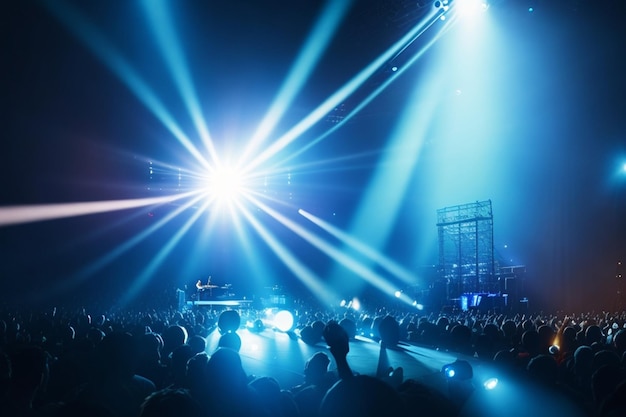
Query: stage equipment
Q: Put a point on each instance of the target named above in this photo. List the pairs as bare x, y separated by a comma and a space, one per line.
466, 253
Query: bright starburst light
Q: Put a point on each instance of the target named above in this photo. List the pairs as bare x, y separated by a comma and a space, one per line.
245, 187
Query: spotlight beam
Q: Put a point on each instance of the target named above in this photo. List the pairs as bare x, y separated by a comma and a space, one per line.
97, 43
120, 250
376, 92
350, 263
13, 215
148, 272
301, 271
316, 44
170, 46
338, 97
369, 252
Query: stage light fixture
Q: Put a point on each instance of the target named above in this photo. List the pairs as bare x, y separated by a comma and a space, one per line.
458, 370
255, 326
283, 320
490, 384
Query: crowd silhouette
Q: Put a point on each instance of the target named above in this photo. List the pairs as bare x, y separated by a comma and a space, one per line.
62, 363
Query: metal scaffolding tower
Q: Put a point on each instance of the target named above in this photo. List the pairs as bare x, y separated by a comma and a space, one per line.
466, 254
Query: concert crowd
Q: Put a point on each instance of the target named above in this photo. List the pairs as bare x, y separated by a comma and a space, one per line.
156, 362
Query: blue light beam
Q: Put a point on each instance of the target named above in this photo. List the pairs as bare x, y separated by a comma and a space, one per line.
89, 35
322, 33
13, 215
301, 271
338, 97
373, 254
163, 30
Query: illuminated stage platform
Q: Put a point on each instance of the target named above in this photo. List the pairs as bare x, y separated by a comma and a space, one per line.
222, 303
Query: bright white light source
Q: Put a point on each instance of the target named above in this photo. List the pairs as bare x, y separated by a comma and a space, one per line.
283, 320
356, 304
491, 383
225, 183
398, 294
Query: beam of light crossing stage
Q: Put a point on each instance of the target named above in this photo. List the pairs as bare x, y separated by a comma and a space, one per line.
106, 259
148, 272
301, 271
374, 93
13, 215
316, 44
171, 49
108, 54
334, 253
397, 270
382, 201
338, 97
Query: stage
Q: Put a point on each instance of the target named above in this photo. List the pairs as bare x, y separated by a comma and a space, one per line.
221, 303
283, 355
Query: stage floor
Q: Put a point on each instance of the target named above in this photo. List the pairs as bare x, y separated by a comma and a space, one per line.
283, 356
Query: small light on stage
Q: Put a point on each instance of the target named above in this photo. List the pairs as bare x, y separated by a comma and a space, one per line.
394, 68
443, 17
458, 370
356, 304
530, 10
491, 383
342, 303
398, 294
554, 349
419, 306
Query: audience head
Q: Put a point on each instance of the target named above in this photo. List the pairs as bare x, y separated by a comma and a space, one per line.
316, 367
171, 403
361, 396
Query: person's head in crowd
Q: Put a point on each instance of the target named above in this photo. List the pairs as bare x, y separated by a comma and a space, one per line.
171, 403
543, 369
593, 334
603, 382
362, 396
509, 328
173, 336
546, 337
568, 340
225, 371
178, 364
531, 343
272, 399
583, 358
605, 357
230, 341
196, 370
197, 343
149, 347
316, 368
619, 341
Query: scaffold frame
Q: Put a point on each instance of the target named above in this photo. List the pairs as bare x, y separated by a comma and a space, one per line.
466, 250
